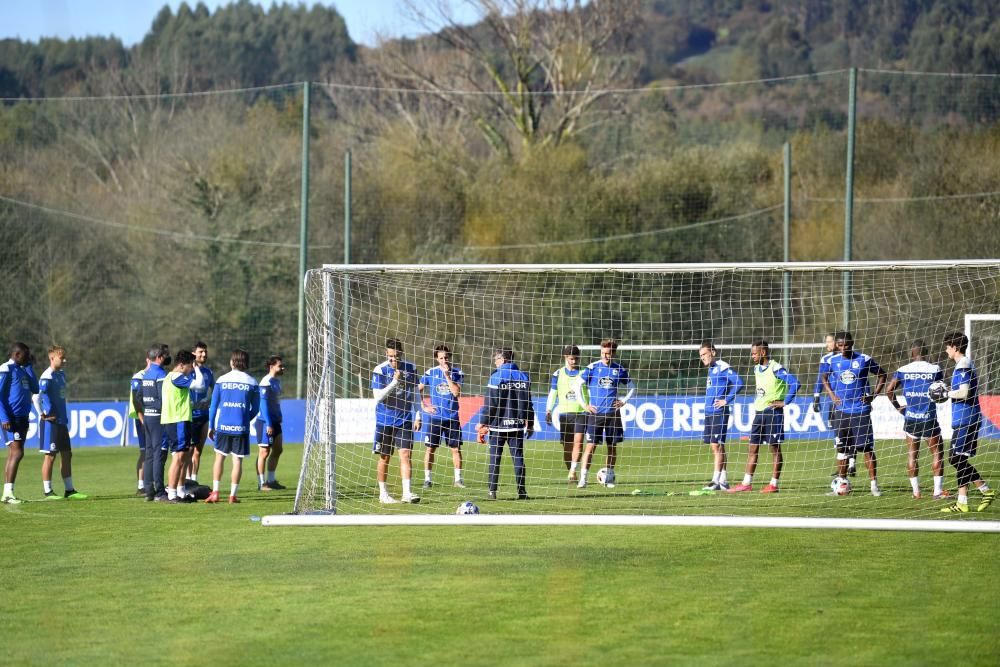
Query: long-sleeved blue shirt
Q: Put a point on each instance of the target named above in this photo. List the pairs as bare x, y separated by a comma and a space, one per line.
52, 395
17, 385
235, 402
724, 383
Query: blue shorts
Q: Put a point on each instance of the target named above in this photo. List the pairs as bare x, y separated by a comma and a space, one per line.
237, 444
854, 432
390, 438
18, 430
715, 427
140, 433
177, 436
965, 439
920, 429
607, 426
53, 437
263, 439
443, 432
768, 427
198, 421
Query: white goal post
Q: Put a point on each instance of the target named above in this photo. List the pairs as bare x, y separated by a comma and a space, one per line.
659, 314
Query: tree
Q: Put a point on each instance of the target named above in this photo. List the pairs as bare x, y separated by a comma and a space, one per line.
536, 72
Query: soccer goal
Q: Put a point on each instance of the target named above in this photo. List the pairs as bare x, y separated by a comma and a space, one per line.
659, 315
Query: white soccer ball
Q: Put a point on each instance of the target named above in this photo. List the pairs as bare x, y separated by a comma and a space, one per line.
606, 476
938, 391
841, 486
468, 507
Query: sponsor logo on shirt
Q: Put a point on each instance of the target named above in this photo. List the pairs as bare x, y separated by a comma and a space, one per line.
607, 383
848, 377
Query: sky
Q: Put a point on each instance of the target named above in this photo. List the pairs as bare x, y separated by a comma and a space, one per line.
130, 19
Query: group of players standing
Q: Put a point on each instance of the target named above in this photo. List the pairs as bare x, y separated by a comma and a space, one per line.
178, 409
588, 403
588, 397
175, 410
844, 378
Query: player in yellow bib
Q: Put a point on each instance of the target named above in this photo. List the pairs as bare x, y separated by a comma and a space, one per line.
568, 396
776, 388
176, 421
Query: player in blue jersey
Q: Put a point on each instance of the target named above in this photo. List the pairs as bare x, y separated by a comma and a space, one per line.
847, 385
17, 385
53, 426
568, 398
444, 383
966, 419
148, 403
721, 388
394, 386
135, 397
270, 441
235, 403
602, 379
201, 396
919, 415
508, 418
775, 388
819, 395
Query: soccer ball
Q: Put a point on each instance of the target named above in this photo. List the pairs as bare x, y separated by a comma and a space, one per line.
468, 507
938, 391
841, 486
606, 476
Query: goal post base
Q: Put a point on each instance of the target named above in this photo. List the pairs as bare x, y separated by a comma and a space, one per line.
627, 520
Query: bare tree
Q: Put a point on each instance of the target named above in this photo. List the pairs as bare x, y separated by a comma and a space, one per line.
537, 72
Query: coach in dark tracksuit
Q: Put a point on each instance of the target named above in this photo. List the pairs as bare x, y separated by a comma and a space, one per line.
509, 417
148, 403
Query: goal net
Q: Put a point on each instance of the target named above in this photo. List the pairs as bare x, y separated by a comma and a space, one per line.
659, 315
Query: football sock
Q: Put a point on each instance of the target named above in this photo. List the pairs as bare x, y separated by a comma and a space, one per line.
8, 489
715, 477
406, 487
171, 493
271, 477
47, 486
915, 484
427, 474
747, 479
193, 478
572, 466
233, 488
68, 483
774, 482
722, 476
141, 485
215, 485
260, 479
984, 487
458, 474
381, 489
963, 497
874, 485
938, 484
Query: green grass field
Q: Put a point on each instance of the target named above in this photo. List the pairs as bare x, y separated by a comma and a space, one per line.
115, 580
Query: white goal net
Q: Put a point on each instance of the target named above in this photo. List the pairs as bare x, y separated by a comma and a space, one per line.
659, 315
